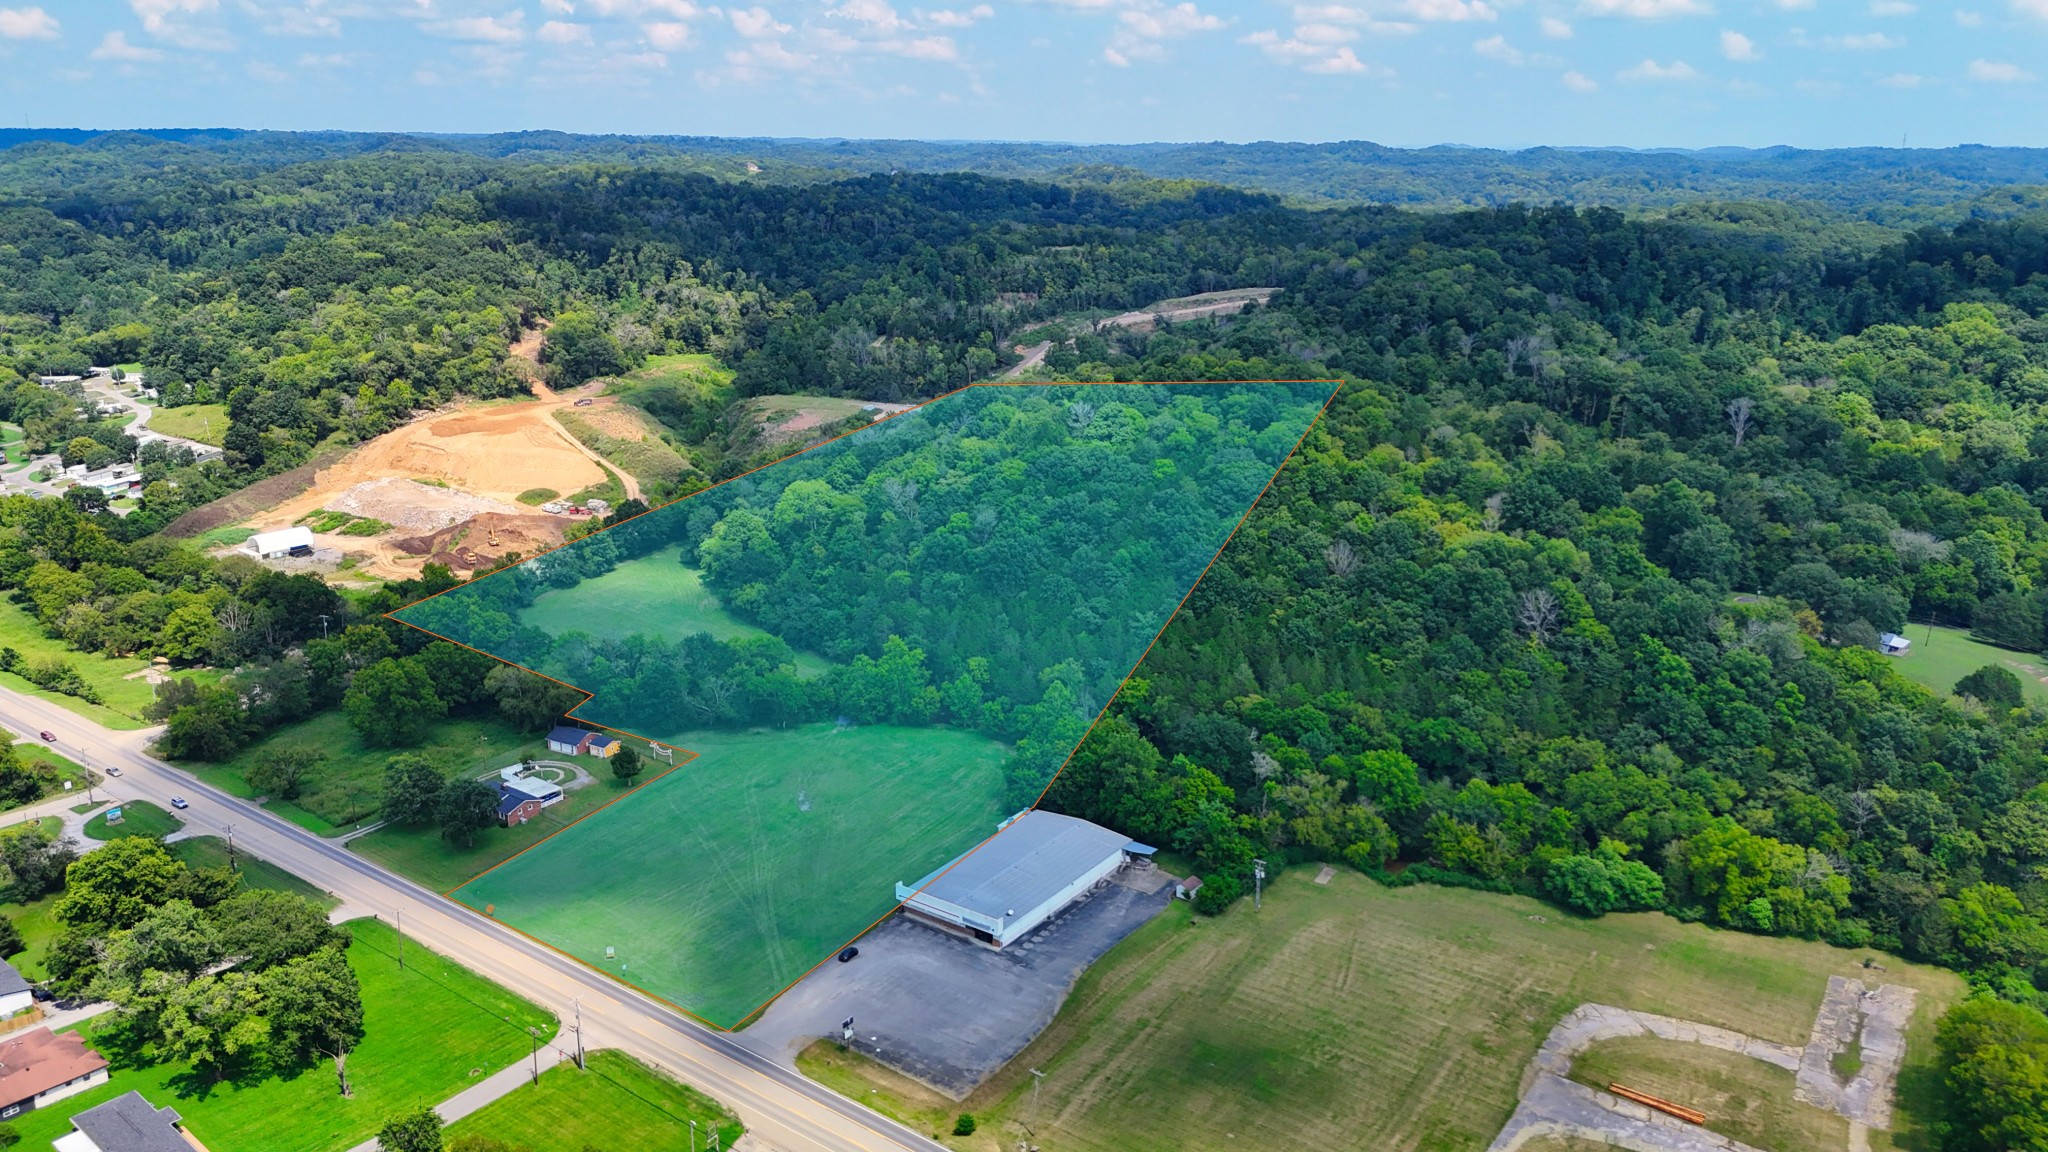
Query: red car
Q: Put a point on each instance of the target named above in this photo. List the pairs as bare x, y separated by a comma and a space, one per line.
49, 737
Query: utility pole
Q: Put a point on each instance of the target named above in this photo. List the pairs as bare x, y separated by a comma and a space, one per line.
1037, 1078
577, 1003
323, 625
1258, 882
693, 1136
231, 849
534, 1033
401, 939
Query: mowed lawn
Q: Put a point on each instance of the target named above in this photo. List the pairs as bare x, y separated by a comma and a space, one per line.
717, 888
347, 786
618, 1103
206, 423
653, 596
1941, 656
1405, 1013
138, 818
422, 854
426, 1030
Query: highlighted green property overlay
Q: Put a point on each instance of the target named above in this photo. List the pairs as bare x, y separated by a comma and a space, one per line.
877, 649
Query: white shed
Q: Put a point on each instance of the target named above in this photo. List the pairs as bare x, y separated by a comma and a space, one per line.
283, 542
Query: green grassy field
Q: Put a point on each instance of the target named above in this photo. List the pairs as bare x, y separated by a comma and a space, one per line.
345, 787
138, 818
697, 370
429, 1031
1941, 656
38, 926
125, 699
206, 423
652, 461
619, 1103
422, 854
1407, 1013
718, 889
654, 596
33, 751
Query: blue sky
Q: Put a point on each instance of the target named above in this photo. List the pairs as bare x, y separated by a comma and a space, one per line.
1814, 73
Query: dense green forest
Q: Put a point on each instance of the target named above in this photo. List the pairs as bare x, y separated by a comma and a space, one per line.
1575, 589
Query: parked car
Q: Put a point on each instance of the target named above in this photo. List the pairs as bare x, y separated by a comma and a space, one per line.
179, 802
849, 954
48, 737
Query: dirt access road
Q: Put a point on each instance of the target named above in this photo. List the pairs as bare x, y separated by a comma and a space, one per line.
1229, 302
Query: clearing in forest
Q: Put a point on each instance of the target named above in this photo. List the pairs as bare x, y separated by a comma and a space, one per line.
876, 648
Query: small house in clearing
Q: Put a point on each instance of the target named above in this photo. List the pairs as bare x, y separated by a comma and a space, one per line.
1893, 644
1187, 889
127, 1123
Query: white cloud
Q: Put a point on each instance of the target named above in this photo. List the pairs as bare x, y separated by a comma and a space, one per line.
1341, 14
1903, 80
507, 29
27, 24
667, 35
426, 77
1892, 8
562, 32
2031, 7
163, 20
296, 21
330, 60
920, 48
1865, 42
875, 14
1324, 34
116, 47
559, 7
1556, 29
1795, 5
1645, 9
946, 18
1579, 82
1498, 48
1166, 23
634, 9
1651, 70
1319, 57
268, 73
1450, 11
1736, 46
1969, 19
756, 23
1998, 72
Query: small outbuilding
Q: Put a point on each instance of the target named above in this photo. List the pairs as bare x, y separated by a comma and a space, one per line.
1188, 888
294, 541
1036, 864
577, 741
1893, 644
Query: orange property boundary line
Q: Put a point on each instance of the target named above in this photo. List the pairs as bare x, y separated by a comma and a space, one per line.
1336, 389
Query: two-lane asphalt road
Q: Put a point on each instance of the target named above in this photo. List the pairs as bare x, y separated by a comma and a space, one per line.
782, 1110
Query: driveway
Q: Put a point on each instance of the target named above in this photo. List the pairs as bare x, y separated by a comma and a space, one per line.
947, 1011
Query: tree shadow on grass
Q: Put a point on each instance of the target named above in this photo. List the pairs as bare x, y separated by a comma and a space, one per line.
1919, 1096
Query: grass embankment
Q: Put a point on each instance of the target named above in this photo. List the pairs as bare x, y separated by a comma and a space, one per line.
1743, 1098
535, 497
653, 461
346, 787
619, 1103
206, 423
124, 698
138, 818
429, 1031
1408, 1013
891, 1093
762, 856
652, 596
1941, 656
34, 752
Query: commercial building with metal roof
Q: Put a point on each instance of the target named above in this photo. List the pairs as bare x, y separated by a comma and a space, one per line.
1036, 864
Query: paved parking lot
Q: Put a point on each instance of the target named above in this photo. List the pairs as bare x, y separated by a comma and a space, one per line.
945, 1010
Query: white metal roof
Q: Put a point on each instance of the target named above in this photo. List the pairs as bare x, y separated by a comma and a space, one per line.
282, 540
1025, 865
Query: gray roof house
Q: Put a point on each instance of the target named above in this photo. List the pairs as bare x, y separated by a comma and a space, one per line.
127, 1123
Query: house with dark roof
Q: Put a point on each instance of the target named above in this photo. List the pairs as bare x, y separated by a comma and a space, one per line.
577, 741
516, 807
127, 1123
1036, 864
40, 1067
16, 993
